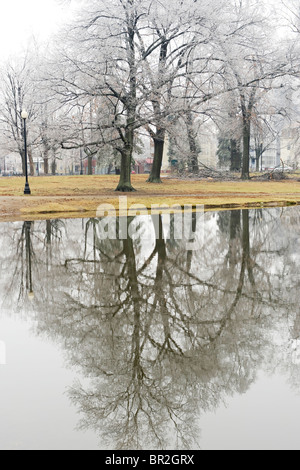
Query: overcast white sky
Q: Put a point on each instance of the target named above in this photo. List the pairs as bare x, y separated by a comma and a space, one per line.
21, 19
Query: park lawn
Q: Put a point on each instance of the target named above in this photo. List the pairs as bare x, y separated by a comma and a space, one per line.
78, 196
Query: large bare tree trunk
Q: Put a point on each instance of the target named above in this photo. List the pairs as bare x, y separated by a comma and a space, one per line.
130, 103
235, 233
247, 118
90, 165
246, 148
235, 164
125, 185
31, 164
193, 160
46, 162
160, 134
159, 144
53, 167
259, 153
22, 153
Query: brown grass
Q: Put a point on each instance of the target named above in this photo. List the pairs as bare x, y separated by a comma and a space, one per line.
73, 196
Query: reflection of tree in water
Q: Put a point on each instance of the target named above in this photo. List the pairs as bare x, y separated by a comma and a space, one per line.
162, 333
27, 265
159, 339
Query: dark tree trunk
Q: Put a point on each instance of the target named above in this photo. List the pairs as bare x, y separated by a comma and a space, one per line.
235, 233
159, 144
235, 154
194, 164
125, 185
48, 231
193, 160
159, 136
259, 154
247, 248
53, 167
247, 117
246, 234
162, 253
130, 102
246, 148
133, 289
23, 162
46, 162
90, 165
31, 165
257, 159
235, 224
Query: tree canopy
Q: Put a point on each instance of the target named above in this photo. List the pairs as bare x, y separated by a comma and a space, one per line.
128, 69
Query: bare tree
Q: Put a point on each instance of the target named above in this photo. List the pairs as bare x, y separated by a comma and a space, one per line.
251, 65
17, 93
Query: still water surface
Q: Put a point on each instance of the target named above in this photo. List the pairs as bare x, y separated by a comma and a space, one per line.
144, 344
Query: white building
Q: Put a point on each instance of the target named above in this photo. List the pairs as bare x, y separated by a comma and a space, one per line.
284, 149
290, 149
11, 164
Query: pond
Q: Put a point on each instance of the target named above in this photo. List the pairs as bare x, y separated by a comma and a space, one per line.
147, 342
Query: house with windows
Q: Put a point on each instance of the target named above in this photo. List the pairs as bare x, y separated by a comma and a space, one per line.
11, 164
290, 147
283, 149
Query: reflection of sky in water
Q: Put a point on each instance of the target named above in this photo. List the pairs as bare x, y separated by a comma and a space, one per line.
35, 411
142, 343
264, 418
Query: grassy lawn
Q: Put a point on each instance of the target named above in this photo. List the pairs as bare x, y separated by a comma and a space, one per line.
75, 195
